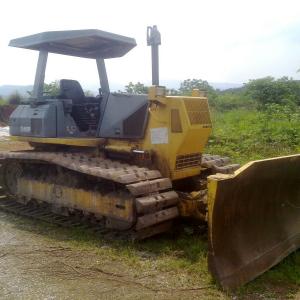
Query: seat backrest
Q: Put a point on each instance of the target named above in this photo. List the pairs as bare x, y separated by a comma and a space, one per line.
71, 89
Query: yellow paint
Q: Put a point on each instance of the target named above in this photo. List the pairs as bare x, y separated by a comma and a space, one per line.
115, 205
119, 148
192, 139
80, 142
212, 186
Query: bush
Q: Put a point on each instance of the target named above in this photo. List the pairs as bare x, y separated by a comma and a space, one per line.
229, 101
247, 135
268, 90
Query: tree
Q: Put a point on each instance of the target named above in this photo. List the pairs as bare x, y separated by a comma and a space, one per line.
136, 88
52, 88
268, 90
188, 85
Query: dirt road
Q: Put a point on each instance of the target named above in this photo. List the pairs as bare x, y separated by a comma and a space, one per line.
37, 264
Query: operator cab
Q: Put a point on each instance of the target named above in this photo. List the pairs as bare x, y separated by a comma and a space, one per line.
71, 113
84, 110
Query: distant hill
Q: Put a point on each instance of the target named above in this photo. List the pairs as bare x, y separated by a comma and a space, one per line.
225, 85
6, 90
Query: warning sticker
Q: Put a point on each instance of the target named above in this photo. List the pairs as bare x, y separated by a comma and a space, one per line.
159, 135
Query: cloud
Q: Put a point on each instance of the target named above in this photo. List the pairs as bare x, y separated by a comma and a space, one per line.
215, 40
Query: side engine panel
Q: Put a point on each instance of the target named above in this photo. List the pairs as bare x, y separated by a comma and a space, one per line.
39, 121
48, 120
125, 116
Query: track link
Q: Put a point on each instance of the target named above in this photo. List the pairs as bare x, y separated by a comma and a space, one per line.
44, 214
154, 203
218, 164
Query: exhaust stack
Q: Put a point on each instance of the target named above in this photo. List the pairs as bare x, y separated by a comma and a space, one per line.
154, 40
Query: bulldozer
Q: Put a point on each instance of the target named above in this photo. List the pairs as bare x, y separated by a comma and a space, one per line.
136, 162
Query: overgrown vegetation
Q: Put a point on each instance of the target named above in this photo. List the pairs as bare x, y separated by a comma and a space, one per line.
2, 100
249, 134
260, 120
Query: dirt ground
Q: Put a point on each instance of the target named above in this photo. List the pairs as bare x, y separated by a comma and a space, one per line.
34, 266
42, 261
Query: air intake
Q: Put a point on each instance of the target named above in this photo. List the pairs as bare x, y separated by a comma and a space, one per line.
188, 161
197, 111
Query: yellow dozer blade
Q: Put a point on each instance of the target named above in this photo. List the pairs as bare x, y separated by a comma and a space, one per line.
254, 218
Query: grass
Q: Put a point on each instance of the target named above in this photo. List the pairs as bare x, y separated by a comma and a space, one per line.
246, 135
243, 135
181, 259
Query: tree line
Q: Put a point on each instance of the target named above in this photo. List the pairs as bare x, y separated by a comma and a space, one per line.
257, 93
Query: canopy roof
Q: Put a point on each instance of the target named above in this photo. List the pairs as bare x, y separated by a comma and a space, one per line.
91, 43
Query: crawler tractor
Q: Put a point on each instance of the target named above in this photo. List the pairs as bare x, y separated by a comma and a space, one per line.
136, 163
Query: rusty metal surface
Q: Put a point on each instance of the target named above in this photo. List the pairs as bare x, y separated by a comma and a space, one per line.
158, 200
254, 219
155, 202
114, 204
218, 164
149, 186
88, 164
157, 217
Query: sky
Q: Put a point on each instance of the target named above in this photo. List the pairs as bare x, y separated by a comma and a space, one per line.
219, 41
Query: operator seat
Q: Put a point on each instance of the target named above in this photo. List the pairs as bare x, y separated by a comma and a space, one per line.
71, 89
85, 110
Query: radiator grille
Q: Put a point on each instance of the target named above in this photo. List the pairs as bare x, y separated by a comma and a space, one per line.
188, 160
197, 111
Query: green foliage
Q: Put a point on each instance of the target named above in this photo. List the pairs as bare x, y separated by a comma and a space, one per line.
52, 88
225, 101
268, 90
247, 135
188, 85
14, 98
256, 94
2, 100
136, 88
